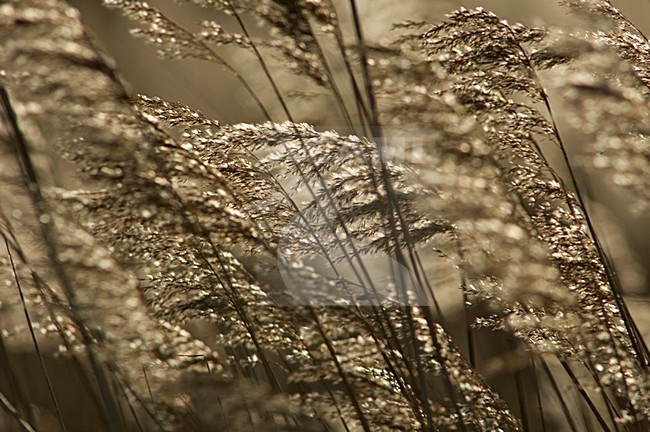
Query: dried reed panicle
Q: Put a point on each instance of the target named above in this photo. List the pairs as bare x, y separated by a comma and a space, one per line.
266, 232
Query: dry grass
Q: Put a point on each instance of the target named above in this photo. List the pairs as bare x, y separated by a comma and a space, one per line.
425, 267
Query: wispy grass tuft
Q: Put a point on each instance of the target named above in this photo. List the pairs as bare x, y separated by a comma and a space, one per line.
391, 274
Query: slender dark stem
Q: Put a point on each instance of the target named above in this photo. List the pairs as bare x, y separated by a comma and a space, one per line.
13, 412
559, 393
30, 326
521, 395
319, 177
17, 392
538, 394
585, 396
134, 414
32, 183
641, 350
392, 210
356, 254
362, 111
339, 367
471, 343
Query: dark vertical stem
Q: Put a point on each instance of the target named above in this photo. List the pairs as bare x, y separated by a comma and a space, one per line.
556, 389
37, 348
585, 396
471, 344
33, 186
17, 392
538, 392
344, 378
13, 412
392, 210
521, 398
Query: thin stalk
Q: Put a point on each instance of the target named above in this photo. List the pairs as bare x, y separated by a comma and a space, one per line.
356, 253
325, 188
346, 383
521, 398
51, 302
333, 86
471, 343
556, 389
640, 349
362, 111
585, 396
377, 133
32, 334
280, 98
13, 412
33, 185
538, 394
17, 392
129, 391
